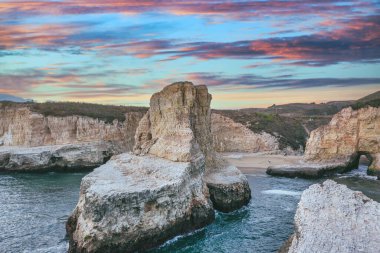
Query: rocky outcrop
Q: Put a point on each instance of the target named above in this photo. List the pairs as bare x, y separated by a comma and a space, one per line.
332, 218
349, 134
22, 127
133, 203
229, 136
137, 201
178, 127
337, 147
53, 138
59, 157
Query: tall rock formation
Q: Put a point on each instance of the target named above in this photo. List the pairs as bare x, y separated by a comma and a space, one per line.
332, 218
229, 136
137, 201
178, 127
349, 134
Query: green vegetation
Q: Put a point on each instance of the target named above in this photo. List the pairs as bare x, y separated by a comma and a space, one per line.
107, 113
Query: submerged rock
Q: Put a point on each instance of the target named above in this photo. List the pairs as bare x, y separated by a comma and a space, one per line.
137, 201
332, 218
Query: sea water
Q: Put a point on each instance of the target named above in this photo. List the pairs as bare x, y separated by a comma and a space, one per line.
35, 207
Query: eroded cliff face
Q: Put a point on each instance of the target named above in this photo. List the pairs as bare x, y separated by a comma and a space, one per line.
21, 127
229, 136
349, 134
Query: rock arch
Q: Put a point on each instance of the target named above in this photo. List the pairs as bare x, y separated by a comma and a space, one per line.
350, 134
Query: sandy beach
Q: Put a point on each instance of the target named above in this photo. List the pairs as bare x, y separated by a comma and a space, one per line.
257, 163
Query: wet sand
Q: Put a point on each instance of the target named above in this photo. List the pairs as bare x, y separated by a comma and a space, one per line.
257, 163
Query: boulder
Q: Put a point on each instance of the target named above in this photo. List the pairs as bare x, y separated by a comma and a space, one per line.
332, 218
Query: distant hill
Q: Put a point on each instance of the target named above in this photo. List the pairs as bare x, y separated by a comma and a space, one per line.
370, 100
6, 97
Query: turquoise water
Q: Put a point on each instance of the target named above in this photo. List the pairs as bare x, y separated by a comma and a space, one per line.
35, 207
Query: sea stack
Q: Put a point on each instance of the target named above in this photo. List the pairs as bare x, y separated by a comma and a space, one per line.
138, 200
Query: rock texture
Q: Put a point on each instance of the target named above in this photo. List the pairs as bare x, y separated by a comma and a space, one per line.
25, 132
349, 134
21, 127
133, 203
337, 147
229, 136
137, 201
178, 127
59, 157
332, 218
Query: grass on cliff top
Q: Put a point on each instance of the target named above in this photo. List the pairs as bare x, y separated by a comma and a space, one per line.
107, 113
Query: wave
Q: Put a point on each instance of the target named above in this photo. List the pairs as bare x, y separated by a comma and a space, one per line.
282, 192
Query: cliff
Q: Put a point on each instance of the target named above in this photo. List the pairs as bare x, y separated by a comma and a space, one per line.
332, 218
349, 134
229, 136
22, 127
69, 142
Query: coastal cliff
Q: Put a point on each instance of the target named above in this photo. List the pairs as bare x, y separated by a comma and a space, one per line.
337, 146
229, 136
138, 200
349, 134
32, 141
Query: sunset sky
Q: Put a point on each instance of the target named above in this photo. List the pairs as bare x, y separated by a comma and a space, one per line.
249, 53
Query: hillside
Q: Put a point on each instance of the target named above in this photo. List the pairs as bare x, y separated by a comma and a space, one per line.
11, 98
107, 113
292, 123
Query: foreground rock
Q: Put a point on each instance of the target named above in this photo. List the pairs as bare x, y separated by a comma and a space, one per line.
332, 218
57, 157
178, 127
229, 136
134, 203
137, 201
337, 147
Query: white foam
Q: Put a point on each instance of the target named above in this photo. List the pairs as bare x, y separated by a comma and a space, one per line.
282, 192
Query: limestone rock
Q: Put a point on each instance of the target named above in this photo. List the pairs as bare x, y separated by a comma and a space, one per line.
332, 218
22, 127
178, 127
349, 134
133, 203
229, 136
57, 157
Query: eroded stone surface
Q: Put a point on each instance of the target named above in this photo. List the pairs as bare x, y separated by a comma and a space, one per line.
178, 127
229, 136
57, 157
349, 134
136, 202
332, 218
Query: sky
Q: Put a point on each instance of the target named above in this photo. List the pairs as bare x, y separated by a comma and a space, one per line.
249, 53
